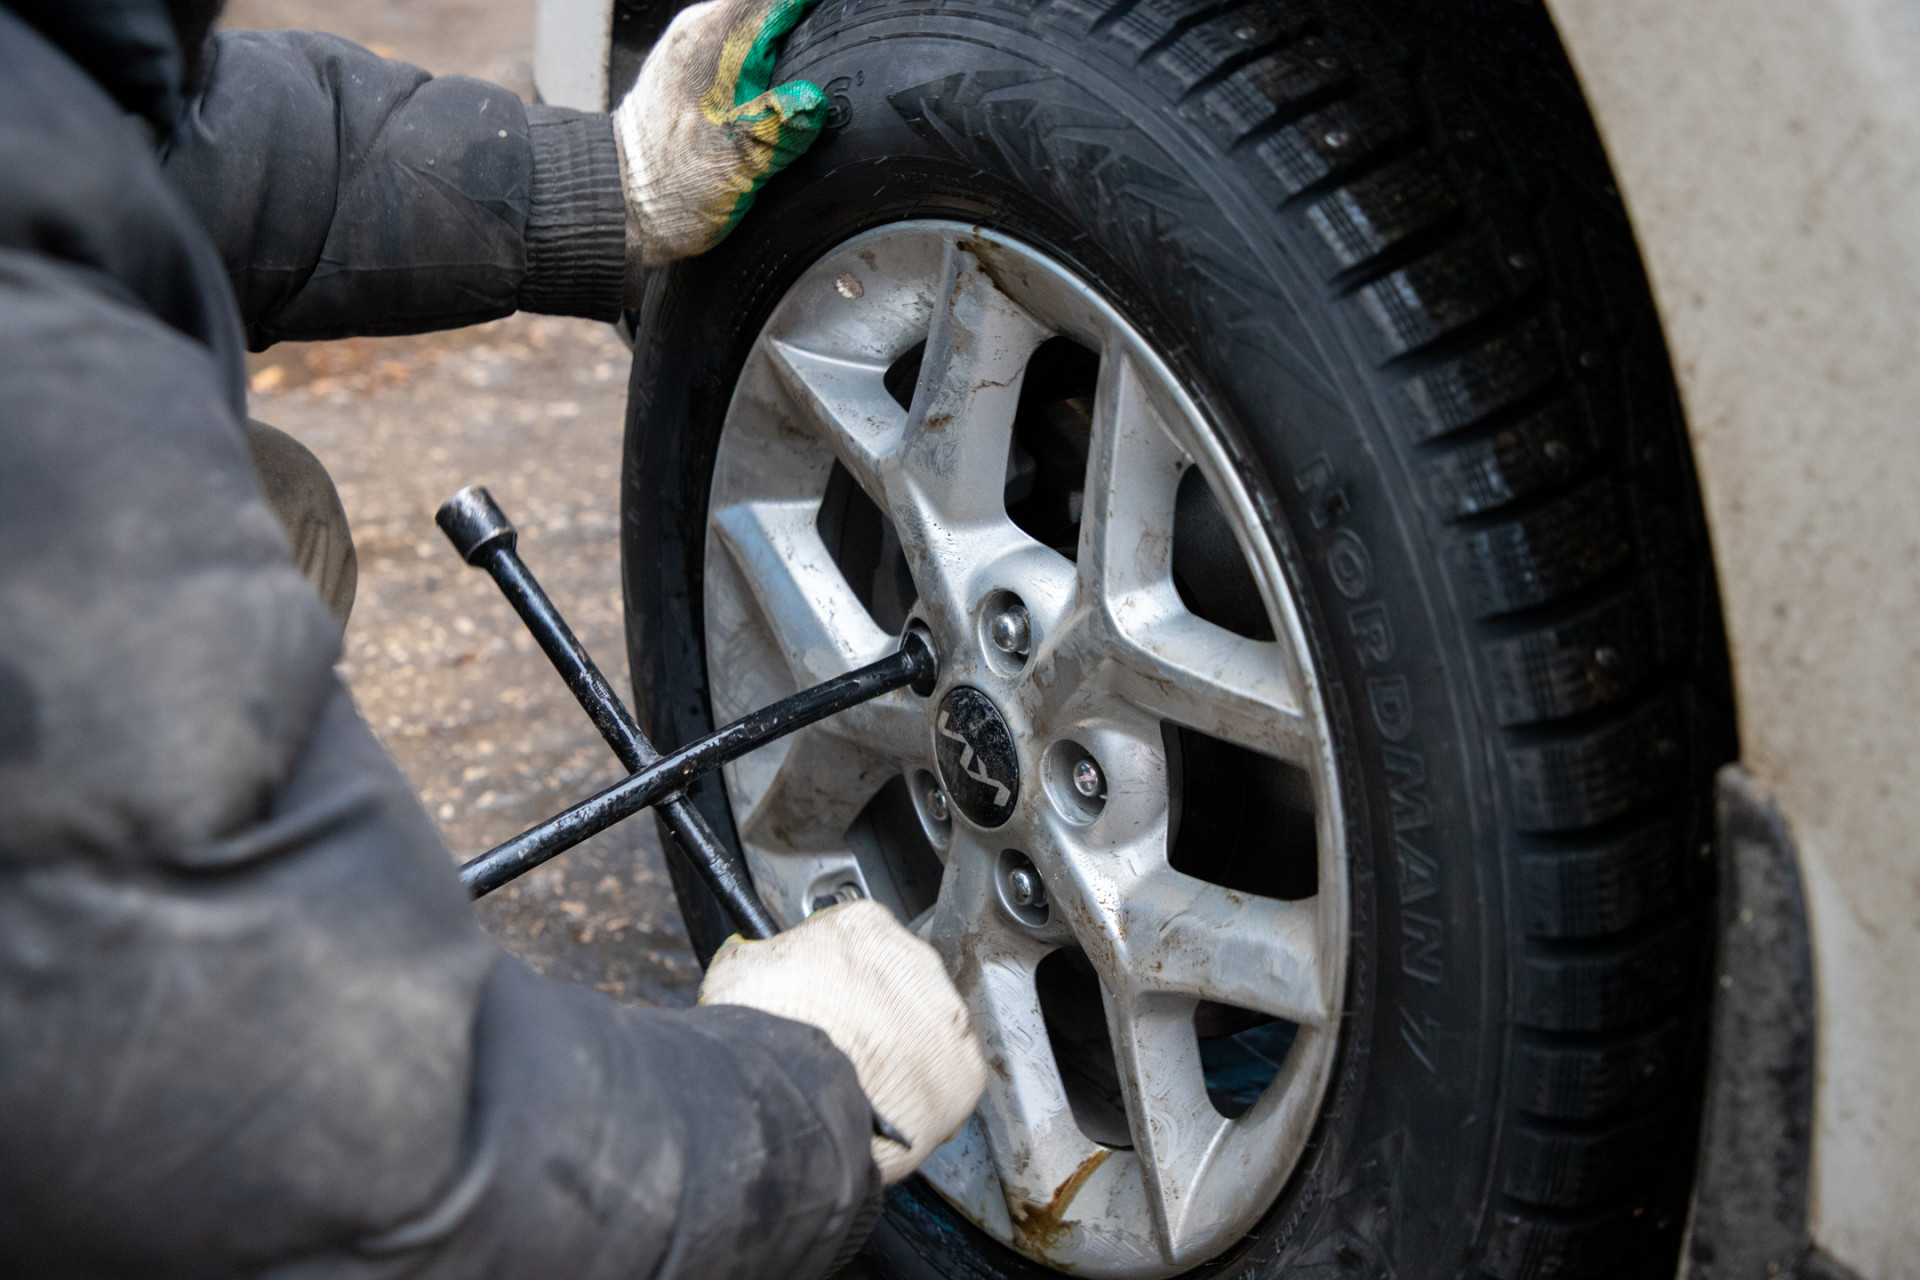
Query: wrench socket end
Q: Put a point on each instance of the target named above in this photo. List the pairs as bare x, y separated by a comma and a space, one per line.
474, 524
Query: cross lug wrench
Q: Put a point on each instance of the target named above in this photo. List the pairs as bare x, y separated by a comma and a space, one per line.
485, 538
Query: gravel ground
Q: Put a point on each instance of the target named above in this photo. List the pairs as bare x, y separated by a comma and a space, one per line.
533, 408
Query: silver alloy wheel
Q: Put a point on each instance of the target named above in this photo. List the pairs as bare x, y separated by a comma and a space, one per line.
1040, 849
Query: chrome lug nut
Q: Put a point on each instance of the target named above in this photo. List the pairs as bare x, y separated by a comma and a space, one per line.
1022, 892
1087, 780
1025, 887
1011, 631
841, 894
936, 804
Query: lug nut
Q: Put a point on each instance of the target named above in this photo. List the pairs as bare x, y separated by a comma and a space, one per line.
1025, 887
1086, 778
1011, 631
936, 804
842, 893
1022, 892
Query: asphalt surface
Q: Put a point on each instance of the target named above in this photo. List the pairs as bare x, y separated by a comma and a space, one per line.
532, 407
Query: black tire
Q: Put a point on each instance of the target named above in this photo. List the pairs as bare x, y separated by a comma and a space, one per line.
1378, 240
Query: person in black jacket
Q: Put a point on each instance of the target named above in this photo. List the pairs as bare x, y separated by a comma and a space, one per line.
248, 1025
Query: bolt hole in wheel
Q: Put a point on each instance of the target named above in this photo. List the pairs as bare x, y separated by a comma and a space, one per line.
1115, 815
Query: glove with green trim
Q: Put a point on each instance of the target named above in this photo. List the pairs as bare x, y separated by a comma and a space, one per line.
702, 130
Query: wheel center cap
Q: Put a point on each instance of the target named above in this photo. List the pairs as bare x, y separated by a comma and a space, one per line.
978, 760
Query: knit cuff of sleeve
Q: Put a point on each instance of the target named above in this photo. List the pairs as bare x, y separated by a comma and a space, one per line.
576, 218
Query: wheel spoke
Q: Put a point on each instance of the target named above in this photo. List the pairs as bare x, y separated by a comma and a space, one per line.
847, 404
1152, 930
1195, 674
1133, 475
1037, 1147
1187, 937
817, 790
818, 623
1174, 1125
953, 460
829, 771
1164, 659
1162, 941
891, 729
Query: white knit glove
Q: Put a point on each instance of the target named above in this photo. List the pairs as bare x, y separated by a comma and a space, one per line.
701, 129
884, 999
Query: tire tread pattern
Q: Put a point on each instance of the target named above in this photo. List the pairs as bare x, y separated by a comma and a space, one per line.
1474, 288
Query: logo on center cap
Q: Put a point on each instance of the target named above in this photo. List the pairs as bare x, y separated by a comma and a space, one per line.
978, 760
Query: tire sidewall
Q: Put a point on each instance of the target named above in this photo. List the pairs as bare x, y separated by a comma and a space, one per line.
1038, 140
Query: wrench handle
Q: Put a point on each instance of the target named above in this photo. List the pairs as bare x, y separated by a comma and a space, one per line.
486, 539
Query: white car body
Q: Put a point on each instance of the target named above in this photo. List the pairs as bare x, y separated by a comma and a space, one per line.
571, 43
1769, 153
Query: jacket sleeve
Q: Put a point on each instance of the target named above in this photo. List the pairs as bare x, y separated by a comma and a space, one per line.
352, 194
248, 1024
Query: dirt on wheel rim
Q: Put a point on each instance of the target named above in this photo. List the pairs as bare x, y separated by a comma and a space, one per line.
1065, 654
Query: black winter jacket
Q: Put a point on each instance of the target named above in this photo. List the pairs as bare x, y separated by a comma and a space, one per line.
248, 1026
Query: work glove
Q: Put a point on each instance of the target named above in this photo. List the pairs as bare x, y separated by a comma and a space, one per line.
884, 999
701, 130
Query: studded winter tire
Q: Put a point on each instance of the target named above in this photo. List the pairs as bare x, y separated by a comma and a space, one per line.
1261, 408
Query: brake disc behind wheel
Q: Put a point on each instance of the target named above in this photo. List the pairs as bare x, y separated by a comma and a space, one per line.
1265, 419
